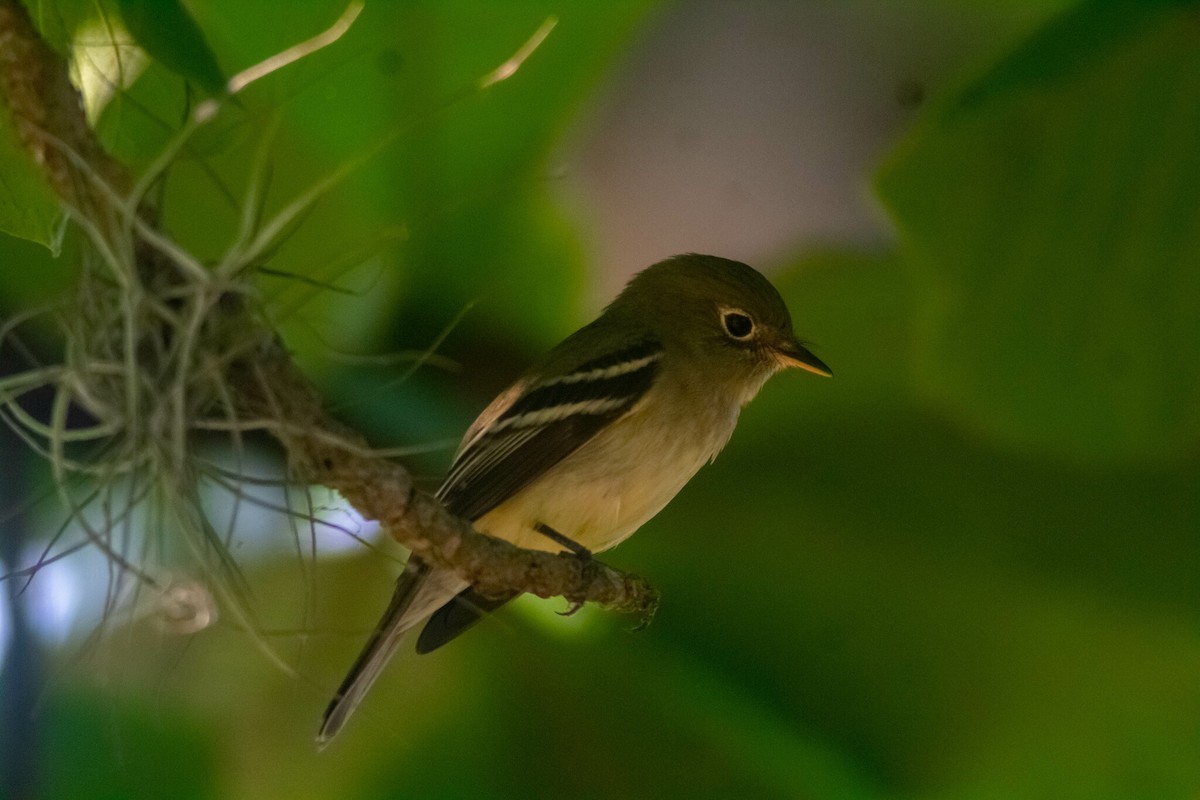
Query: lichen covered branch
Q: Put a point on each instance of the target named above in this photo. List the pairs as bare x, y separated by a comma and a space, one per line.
252, 376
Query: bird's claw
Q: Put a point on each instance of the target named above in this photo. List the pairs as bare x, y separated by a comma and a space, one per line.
574, 606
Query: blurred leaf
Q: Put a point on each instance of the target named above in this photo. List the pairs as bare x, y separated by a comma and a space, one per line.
1051, 213
58, 20
28, 208
101, 750
647, 722
166, 31
31, 278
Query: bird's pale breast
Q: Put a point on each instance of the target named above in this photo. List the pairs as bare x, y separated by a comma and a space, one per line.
618, 480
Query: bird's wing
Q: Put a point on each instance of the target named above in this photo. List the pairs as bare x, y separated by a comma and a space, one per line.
540, 421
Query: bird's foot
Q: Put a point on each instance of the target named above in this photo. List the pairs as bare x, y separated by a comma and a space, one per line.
573, 547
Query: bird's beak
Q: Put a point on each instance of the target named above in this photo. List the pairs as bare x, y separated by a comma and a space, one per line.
790, 353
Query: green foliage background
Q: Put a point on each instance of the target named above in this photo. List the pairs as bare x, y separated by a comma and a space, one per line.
968, 567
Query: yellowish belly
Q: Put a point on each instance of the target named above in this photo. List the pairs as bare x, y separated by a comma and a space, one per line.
607, 489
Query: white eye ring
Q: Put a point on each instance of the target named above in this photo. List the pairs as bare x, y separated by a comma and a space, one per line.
737, 323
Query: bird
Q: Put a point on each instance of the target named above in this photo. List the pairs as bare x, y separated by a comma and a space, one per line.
595, 438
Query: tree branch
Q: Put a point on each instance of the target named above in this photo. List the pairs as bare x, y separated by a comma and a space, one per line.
48, 116
264, 382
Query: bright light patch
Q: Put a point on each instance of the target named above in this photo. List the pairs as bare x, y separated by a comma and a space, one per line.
340, 520
335, 527
262, 518
54, 596
105, 60
256, 519
74, 586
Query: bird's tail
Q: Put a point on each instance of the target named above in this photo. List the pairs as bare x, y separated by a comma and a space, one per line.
401, 614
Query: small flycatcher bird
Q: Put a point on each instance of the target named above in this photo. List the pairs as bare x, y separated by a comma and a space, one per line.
597, 437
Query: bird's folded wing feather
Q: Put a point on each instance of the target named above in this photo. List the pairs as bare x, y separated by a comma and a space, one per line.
540, 421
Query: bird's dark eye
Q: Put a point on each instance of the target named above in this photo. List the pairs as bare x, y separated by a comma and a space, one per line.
737, 324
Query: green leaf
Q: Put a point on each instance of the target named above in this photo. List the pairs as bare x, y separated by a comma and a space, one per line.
1050, 213
166, 31
59, 20
164, 751
645, 721
28, 209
